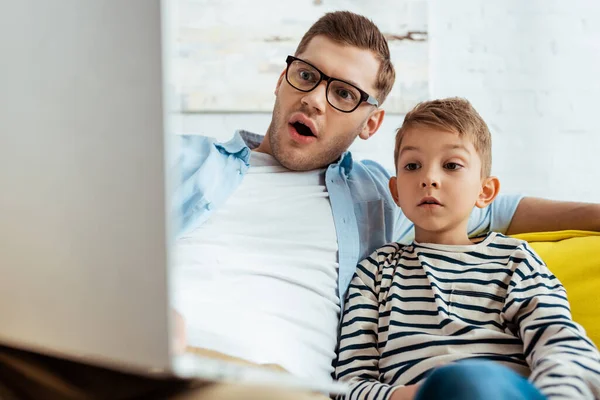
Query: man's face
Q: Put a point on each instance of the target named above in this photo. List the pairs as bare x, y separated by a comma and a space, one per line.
438, 182
331, 131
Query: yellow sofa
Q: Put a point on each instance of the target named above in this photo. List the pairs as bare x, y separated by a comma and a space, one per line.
574, 258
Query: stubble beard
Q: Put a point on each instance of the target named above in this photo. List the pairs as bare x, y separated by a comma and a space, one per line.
296, 160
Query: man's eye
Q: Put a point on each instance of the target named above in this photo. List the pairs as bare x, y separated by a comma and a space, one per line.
307, 76
452, 166
411, 166
346, 94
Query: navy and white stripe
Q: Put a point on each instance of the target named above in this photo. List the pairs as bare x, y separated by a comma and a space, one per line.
413, 308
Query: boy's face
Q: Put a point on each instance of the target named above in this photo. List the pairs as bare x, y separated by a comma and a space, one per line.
333, 131
438, 183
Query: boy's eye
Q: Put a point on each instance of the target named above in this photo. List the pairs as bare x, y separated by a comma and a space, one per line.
411, 166
452, 166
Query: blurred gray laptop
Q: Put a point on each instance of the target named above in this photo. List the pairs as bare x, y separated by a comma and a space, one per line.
84, 231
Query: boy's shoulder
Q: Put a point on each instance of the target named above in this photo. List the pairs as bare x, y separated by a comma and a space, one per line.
520, 251
511, 243
507, 242
388, 253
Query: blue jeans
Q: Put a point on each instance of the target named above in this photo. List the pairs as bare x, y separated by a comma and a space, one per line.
476, 380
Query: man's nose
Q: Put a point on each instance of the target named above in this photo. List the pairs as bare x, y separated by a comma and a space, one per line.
316, 99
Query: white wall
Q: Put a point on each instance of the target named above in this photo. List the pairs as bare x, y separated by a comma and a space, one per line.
229, 41
530, 68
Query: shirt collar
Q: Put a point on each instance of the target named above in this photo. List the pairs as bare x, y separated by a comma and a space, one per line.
240, 145
346, 163
244, 141
252, 140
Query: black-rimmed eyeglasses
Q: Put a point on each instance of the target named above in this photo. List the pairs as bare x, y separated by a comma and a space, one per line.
341, 95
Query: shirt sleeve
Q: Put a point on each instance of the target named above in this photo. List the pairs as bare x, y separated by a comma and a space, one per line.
358, 356
496, 217
188, 153
564, 363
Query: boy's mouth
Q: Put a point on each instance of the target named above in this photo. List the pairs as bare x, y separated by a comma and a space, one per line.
429, 201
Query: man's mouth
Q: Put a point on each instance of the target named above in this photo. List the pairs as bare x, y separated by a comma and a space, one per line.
302, 129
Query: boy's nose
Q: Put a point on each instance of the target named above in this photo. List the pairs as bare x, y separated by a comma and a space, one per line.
430, 182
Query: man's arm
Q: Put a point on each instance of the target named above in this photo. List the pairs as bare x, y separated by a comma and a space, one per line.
512, 214
539, 215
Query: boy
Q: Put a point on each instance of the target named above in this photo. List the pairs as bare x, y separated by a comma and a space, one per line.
413, 311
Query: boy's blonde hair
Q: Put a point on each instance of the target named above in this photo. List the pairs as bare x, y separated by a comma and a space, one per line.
350, 29
453, 114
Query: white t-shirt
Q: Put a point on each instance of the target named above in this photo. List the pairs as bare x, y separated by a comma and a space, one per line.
259, 279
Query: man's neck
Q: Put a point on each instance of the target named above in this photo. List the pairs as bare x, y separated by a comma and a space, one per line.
264, 146
252, 140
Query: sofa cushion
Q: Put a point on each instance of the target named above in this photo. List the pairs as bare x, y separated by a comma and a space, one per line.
574, 258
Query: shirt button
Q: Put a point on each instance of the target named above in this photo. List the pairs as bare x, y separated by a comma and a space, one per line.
239, 171
208, 206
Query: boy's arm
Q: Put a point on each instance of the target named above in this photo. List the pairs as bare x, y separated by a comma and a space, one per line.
358, 357
563, 361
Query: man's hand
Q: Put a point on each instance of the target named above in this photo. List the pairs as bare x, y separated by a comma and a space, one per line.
179, 333
405, 392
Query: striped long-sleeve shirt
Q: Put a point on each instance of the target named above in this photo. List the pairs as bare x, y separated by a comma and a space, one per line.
413, 308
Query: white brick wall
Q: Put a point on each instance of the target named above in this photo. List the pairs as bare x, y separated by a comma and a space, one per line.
530, 68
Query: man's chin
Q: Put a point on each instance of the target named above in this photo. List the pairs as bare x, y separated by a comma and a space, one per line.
302, 158
296, 163
296, 160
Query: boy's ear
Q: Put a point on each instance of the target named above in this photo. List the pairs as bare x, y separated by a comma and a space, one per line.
372, 124
394, 189
489, 191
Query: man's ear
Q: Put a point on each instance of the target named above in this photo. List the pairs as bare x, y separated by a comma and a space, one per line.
394, 189
489, 191
279, 82
373, 123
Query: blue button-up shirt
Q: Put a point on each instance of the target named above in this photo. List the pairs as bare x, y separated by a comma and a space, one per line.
364, 212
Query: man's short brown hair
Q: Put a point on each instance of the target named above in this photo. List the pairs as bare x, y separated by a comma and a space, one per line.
351, 29
453, 114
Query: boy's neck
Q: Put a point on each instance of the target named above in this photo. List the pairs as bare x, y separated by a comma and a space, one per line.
456, 237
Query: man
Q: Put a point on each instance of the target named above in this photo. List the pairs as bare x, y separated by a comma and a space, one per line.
273, 227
